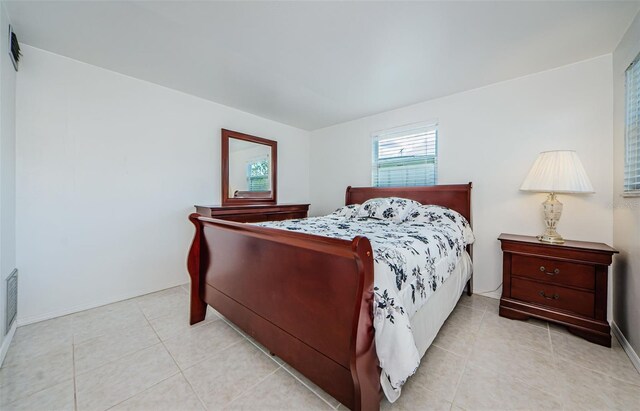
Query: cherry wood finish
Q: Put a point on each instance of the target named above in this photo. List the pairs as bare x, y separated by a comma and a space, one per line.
562, 283
307, 298
455, 196
271, 198
255, 213
582, 275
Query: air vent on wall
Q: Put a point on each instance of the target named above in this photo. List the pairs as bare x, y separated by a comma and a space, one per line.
12, 300
14, 48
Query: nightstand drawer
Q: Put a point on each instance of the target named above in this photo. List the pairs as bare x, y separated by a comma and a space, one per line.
580, 302
554, 271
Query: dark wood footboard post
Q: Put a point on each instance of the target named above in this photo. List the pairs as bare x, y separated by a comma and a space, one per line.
198, 306
364, 360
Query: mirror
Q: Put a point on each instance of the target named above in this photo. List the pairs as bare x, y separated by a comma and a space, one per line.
248, 169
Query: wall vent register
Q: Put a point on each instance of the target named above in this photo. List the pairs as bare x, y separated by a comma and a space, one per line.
12, 300
14, 48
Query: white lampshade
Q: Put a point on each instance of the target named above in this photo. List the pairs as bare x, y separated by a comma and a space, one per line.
557, 172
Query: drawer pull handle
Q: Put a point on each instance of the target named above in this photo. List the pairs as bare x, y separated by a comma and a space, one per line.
553, 297
544, 270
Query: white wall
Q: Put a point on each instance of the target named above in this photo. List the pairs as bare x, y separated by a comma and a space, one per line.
626, 228
491, 136
7, 170
108, 168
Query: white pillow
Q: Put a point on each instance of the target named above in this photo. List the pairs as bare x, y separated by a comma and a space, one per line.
388, 208
349, 211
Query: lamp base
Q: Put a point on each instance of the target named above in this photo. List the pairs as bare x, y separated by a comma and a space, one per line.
557, 239
552, 211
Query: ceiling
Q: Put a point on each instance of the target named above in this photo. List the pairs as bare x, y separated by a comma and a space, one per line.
314, 64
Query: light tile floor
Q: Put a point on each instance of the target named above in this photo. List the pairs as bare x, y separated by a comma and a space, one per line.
141, 354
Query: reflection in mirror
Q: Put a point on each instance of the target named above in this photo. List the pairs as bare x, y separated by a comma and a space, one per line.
249, 169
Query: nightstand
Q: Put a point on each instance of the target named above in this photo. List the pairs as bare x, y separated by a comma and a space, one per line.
561, 283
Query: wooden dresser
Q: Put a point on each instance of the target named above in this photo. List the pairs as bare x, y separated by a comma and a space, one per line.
562, 283
255, 213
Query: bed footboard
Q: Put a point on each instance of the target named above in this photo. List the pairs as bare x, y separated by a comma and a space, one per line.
306, 298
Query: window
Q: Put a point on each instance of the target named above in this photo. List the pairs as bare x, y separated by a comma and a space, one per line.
258, 175
632, 136
405, 156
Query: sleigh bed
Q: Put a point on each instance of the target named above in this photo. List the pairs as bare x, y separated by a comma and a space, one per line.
308, 298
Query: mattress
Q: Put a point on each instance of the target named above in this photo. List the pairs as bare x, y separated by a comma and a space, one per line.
429, 319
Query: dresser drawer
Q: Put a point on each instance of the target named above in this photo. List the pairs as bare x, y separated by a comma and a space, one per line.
554, 271
255, 213
580, 302
258, 218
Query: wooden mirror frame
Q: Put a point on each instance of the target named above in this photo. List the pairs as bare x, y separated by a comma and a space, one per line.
228, 201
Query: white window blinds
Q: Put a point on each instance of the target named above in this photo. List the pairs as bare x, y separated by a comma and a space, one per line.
258, 175
405, 156
632, 136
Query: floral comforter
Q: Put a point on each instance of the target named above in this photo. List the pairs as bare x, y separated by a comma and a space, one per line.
412, 259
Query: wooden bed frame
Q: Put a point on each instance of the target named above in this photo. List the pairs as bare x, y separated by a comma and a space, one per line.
307, 298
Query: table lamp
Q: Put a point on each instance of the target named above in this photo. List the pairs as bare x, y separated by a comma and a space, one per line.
556, 172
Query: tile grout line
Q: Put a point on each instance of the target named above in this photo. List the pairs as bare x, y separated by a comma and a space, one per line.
73, 359
602, 373
95, 367
240, 395
524, 382
134, 352
174, 361
48, 386
445, 349
521, 381
555, 360
553, 351
494, 372
146, 389
272, 357
246, 337
486, 314
282, 365
310, 389
133, 327
208, 355
181, 371
529, 348
606, 374
109, 331
194, 391
466, 361
195, 365
194, 326
559, 358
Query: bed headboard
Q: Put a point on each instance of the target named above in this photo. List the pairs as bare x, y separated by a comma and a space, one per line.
454, 196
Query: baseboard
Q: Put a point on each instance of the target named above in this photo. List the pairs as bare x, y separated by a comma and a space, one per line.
491, 294
633, 356
83, 307
7, 341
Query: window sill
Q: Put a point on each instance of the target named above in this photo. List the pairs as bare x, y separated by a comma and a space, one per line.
631, 194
